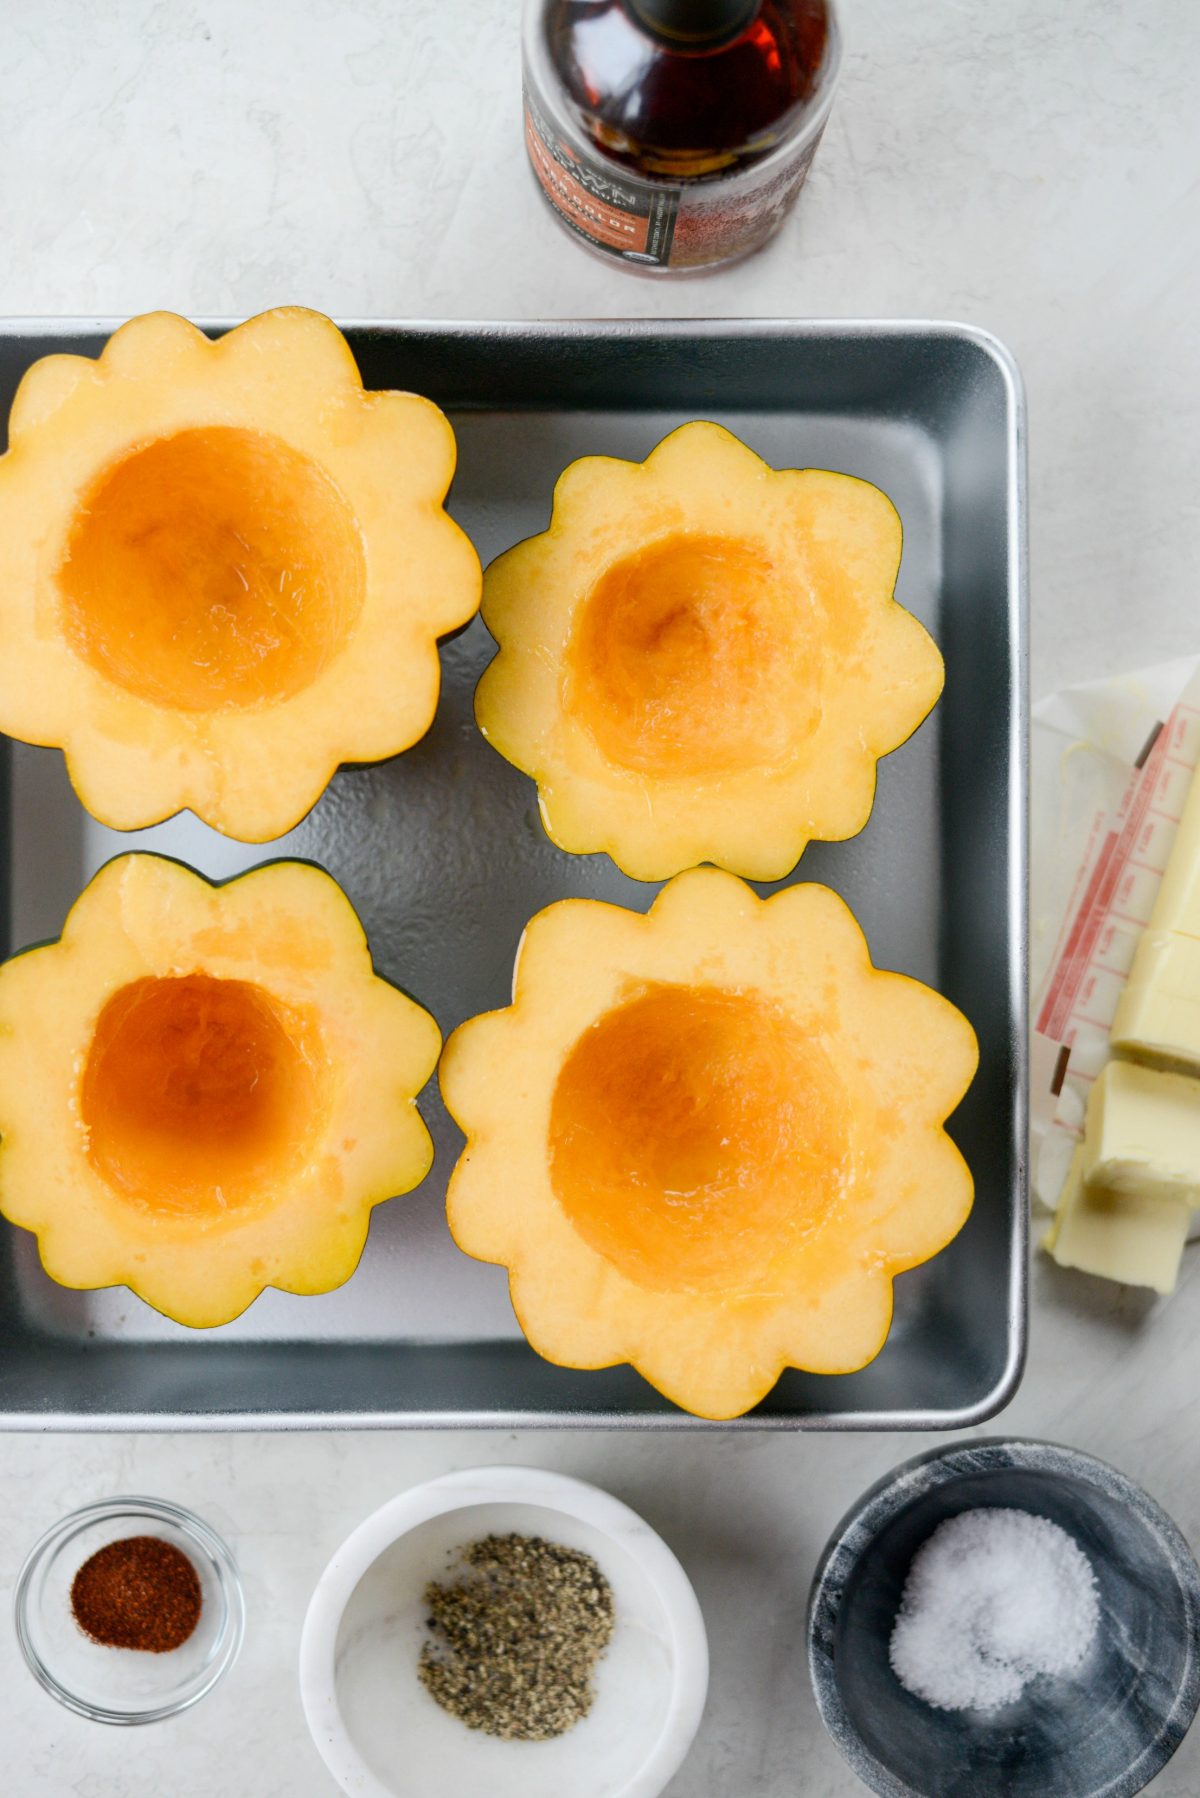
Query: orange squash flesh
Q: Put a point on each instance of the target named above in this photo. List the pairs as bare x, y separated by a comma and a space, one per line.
688, 658
212, 568
196, 1088
695, 1136
703, 1140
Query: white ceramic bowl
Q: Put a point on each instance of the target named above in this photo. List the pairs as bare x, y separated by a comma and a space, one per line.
380, 1733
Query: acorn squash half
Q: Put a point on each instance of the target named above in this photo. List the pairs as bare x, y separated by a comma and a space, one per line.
705, 1139
701, 659
204, 1090
224, 568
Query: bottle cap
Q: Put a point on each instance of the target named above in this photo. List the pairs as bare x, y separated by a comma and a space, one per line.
695, 21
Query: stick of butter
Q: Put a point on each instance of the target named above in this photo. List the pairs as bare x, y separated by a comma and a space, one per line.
1126, 1208
1177, 906
1158, 1013
1143, 1132
1137, 1237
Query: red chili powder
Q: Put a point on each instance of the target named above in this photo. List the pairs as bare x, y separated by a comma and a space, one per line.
140, 1593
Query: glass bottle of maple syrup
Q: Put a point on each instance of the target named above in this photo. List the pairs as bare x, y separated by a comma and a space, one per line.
676, 134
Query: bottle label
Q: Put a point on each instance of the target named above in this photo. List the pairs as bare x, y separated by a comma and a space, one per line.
628, 218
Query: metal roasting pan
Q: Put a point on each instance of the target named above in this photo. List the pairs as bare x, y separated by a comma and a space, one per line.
443, 855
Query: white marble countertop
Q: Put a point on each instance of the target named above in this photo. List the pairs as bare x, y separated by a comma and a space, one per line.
1028, 167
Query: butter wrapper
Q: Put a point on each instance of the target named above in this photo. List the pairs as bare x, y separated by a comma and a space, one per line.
1112, 762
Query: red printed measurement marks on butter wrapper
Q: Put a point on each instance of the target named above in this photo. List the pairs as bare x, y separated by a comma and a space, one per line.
629, 218
1116, 883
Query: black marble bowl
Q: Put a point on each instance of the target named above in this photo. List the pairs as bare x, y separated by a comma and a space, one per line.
1103, 1732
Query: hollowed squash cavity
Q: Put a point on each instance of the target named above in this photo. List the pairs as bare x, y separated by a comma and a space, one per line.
697, 1136
213, 568
689, 658
195, 1088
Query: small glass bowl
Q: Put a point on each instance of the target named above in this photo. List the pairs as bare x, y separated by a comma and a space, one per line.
123, 1685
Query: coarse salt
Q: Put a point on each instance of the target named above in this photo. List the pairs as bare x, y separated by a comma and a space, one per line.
993, 1599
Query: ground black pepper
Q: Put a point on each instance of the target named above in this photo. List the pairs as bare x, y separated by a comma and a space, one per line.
139, 1593
516, 1637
